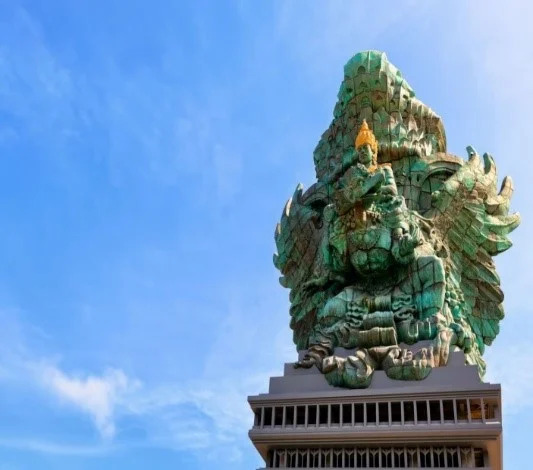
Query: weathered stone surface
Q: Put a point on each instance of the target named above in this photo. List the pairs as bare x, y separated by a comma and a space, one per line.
394, 242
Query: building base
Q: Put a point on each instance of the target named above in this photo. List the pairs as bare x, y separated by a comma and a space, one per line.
449, 420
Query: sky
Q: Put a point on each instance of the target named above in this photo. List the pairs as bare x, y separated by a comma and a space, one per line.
146, 152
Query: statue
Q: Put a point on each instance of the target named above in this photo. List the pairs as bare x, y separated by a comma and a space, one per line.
389, 254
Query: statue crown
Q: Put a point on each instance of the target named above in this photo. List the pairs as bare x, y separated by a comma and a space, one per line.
366, 136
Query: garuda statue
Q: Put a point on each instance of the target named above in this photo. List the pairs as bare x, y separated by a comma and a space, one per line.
389, 254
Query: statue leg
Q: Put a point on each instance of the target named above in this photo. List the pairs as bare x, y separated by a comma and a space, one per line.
425, 282
429, 284
402, 364
323, 340
354, 371
336, 326
333, 312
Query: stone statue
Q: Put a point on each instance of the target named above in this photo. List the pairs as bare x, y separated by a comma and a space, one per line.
389, 254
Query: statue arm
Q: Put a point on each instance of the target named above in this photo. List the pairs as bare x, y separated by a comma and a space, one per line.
404, 243
389, 183
376, 180
348, 160
334, 264
357, 187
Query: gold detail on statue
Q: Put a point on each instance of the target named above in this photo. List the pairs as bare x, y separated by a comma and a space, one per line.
365, 136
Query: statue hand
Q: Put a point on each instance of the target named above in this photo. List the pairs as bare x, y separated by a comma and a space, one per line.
441, 347
306, 363
382, 175
409, 241
464, 339
407, 244
377, 179
314, 357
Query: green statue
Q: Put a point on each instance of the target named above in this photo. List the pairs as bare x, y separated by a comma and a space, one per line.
393, 245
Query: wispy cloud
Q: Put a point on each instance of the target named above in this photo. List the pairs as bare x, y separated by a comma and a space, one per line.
508, 368
499, 41
322, 35
94, 395
210, 417
137, 122
206, 413
147, 128
54, 448
209, 413
34, 83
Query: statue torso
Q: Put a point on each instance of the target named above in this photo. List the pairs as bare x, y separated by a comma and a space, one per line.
369, 250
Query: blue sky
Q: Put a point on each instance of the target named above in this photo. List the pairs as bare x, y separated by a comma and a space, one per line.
146, 152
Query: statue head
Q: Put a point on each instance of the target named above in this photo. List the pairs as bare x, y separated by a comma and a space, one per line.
366, 146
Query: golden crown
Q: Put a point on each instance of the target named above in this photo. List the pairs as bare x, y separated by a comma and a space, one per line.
366, 136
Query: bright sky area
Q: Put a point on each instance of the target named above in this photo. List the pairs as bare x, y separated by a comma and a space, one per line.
147, 150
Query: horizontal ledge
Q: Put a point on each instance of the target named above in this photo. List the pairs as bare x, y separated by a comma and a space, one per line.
403, 436
354, 396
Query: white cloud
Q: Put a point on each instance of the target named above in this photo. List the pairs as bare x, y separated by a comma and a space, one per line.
323, 36
206, 416
34, 83
228, 172
205, 413
53, 448
499, 40
96, 396
502, 37
135, 122
516, 378
208, 413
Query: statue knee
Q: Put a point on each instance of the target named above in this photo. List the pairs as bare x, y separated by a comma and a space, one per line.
334, 309
430, 269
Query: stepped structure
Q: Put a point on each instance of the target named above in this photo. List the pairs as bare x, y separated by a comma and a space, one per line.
450, 420
394, 293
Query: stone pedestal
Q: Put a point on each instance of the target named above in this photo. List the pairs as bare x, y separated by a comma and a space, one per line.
449, 420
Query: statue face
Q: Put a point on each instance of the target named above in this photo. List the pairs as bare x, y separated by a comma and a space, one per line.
365, 154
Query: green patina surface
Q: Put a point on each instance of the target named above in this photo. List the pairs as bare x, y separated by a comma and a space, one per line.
387, 253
